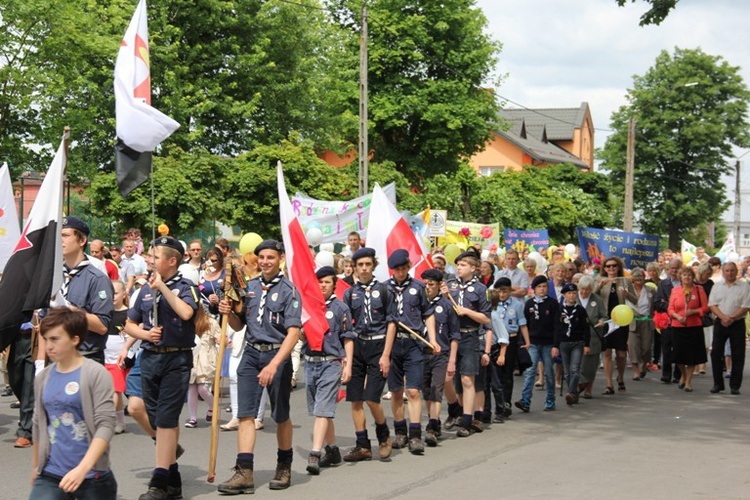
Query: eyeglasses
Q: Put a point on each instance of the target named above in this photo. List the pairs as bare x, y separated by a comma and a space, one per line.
610, 265
214, 260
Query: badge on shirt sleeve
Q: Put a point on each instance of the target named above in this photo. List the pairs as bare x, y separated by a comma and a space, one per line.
102, 295
176, 291
511, 312
329, 314
439, 309
376, 293
412, 291
295, 303
471, 288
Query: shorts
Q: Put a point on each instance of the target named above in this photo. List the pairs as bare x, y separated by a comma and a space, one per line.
118, 377
165, 379
467, 360
617, 340
367, 380
407, 361
249, 390
435, 369
133, 380
322, 380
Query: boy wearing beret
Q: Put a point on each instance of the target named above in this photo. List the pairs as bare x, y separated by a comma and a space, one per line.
167, 358
572, 338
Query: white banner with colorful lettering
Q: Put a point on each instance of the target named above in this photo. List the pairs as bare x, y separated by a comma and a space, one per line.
336, 219
9, 227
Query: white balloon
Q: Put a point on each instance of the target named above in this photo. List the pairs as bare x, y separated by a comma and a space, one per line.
485, 254
324, 258
733, 257
570, 248
314, 236
328, 247
541, 262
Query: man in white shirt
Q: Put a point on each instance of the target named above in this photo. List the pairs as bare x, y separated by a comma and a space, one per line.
132, 258
519, 279
729, 303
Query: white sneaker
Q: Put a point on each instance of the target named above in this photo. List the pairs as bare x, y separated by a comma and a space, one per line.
119, 428
232, 425
258, 424
387, 396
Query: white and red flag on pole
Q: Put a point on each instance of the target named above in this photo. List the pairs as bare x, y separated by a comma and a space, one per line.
140, 127
387, 231
34, 269
301, 270
9, 227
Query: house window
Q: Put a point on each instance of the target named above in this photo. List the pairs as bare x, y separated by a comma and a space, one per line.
487, 171
745, 240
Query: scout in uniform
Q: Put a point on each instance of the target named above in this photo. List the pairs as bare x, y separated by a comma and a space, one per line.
407, 360
572, 338
272, 312
473, 310
87, 288
373, 316
438, 366
510, 310
167, 358
324, 373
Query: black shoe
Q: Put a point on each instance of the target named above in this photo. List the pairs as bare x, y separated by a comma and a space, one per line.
522, 406
734, 392
15, 405
331, 457
313, 464
6, 392
675, 380
430, 439
666, 380
716, 389
499, 418
174, 492
154, 493
450, 423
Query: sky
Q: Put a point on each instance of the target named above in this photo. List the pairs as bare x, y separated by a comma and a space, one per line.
559, 53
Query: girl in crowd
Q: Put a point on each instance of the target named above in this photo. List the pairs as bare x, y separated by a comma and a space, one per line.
115, 342
208, 336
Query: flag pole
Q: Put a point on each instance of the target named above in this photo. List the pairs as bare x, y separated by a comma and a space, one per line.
66, 140
155, 314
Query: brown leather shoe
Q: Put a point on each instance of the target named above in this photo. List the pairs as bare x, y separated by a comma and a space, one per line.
476, 425
23, 442
240, 482
358, 454
283, 477
385, 449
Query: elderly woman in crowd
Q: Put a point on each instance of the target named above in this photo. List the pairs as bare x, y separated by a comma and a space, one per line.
687, 305
557, 273
597, 312
642, 327
487, 274
614, 289
703, 278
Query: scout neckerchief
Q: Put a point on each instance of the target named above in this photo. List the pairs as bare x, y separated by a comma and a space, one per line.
535, 307
505, 304
400, 293
368, 302
330, 299
69, 273
267, 285
568, 315
462, 288
171, 281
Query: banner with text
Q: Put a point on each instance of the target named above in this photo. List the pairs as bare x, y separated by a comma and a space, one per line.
336, 219
531, 239
635, 249
473, 233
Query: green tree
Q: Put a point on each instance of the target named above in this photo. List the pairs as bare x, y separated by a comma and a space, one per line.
690, 108
657, 13
427, 64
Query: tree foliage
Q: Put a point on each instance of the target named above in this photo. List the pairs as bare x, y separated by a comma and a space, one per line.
657, 13
690, 108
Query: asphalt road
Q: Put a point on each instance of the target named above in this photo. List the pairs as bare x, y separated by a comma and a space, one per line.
653, 441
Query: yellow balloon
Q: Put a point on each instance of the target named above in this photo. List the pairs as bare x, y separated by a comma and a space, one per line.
687, 257
622, 315
451, 252
249, 241
652, 285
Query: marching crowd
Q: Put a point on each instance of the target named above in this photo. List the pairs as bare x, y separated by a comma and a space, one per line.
143, 324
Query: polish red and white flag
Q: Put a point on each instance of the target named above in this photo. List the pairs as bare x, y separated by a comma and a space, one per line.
301, 270
387, 231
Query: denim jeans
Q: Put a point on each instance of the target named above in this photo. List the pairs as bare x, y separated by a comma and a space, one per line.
537, 352
572, 353
101, 488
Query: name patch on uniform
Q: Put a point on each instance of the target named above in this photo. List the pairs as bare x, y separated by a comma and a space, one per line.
251, 294
147, 297
275, 297
376, 293
439, 309
102, 295
329, 314
412, 291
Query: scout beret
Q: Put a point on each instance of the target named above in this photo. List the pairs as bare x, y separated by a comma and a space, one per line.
465, 255
363, 252
75, 223
324, 272
166, 241
503, 283
538, 281
569, 287
432, 275
398, 258
269, 245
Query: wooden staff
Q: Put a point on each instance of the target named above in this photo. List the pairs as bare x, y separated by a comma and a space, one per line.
453, 301
217, 377
416, 335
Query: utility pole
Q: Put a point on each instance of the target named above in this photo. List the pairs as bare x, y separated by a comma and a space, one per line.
629, 175
737, 201
364, 148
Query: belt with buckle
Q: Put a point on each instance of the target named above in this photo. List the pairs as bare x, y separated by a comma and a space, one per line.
513, 334
321, 359
402, 335
468, 330
265, 347
371, 337
164, 349
481, 337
